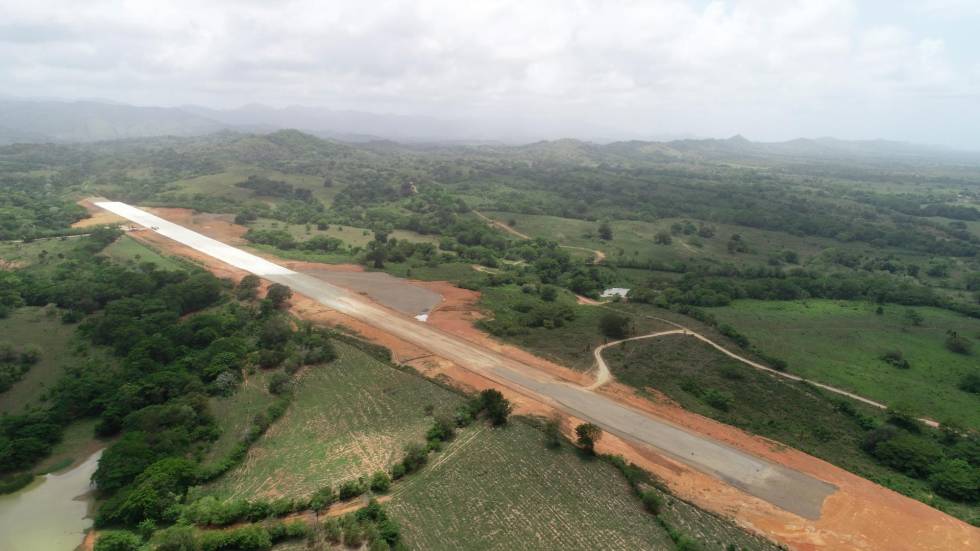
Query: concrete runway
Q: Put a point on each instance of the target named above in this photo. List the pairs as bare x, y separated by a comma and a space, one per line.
785, 488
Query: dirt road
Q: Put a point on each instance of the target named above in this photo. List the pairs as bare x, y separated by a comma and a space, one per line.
603, 375
785, 488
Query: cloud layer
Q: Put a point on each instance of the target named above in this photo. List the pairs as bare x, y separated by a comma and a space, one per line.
769, 69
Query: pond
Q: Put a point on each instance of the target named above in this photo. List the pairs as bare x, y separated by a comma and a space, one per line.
50, 514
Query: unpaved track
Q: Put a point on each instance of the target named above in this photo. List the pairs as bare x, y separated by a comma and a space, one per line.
603, 375
785, 488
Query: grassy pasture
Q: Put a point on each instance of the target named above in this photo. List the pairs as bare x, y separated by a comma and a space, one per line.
798, 415
352, 236
32, 325
234, 413
37, 254
127, 250
841, 343
503, 489
222, 184
634, 240
349, 418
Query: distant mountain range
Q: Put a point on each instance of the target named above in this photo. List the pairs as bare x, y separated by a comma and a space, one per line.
45, 120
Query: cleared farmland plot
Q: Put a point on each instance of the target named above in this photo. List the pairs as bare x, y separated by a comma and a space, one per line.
349, 418
503, 489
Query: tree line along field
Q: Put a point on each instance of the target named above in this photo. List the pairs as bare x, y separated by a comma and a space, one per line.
843, 344
838, 430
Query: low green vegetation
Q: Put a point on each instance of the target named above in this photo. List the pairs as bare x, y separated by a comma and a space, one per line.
349, 418
558, 329
899, 356
43, 349
836, 429
506, 482
127, 250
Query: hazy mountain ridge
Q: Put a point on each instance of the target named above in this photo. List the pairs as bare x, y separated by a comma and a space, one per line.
39, 121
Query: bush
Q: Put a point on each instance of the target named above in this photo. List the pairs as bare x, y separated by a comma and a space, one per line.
895, 359
958, 344
416, 456
909, 454
497, 407
957, 479
279, 383
587, 435
380, 482
614, 326
443, 430
351, 489
652, 501
719, 399
118, 541
970, 383
322, 498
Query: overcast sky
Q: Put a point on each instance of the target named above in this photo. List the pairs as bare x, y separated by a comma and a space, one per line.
768, 69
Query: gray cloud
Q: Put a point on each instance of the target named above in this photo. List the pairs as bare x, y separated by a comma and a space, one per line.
766, 68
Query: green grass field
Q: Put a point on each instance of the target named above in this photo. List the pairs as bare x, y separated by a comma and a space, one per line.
222, 184
349, 418
634, 240
127, 250
234, 413
32, 325
691, 373
351, 236
840, 343
36, 254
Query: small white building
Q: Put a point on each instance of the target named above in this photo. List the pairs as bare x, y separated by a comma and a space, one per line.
615, 292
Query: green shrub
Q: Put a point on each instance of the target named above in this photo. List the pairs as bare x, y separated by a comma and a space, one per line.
910, 454
351, 489
118, 541
652, 501
957, 479
380, 482
719, 399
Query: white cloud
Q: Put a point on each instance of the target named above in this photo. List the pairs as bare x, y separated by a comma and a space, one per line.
767, 68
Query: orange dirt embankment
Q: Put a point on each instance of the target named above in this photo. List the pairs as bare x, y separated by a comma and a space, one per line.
861, 515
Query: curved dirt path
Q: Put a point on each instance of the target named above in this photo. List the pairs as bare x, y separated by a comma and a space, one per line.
603, 375
598, 256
